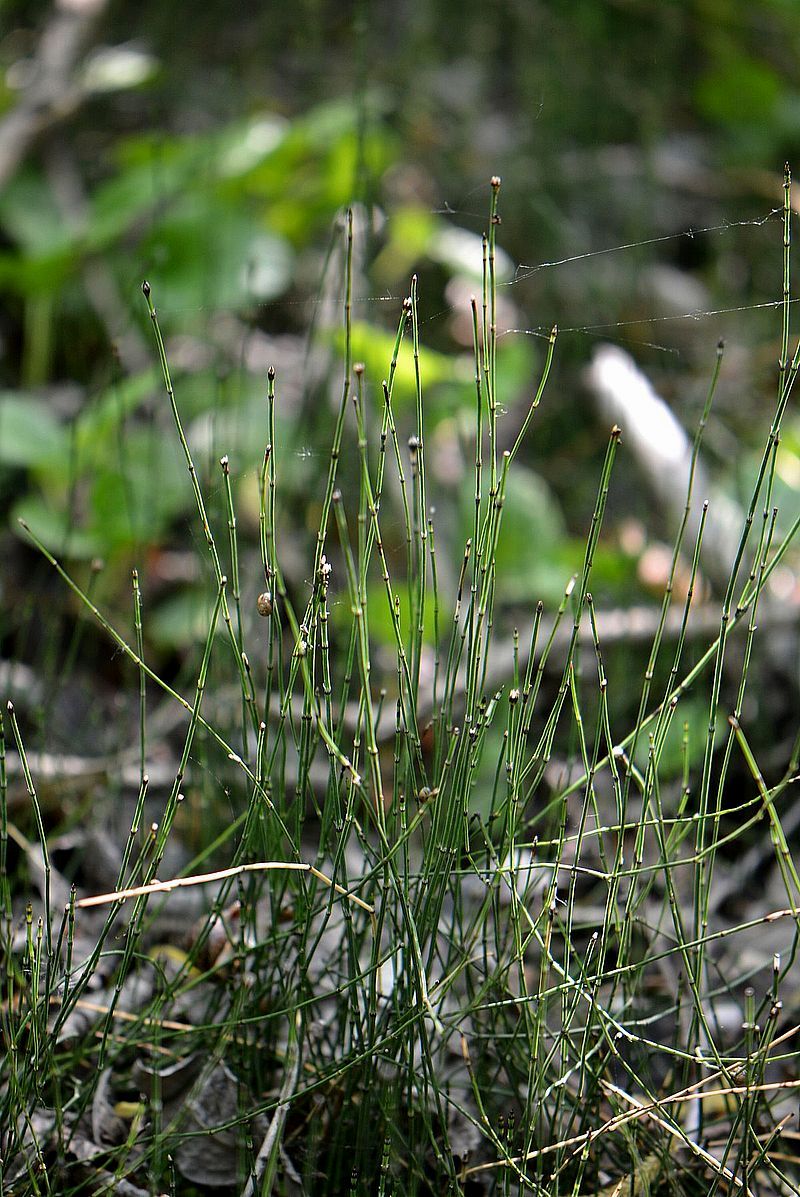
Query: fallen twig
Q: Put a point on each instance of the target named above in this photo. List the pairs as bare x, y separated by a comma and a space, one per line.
166, 887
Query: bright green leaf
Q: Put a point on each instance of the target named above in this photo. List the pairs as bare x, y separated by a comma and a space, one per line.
374, 346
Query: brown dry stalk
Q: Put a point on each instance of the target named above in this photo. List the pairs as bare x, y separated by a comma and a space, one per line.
166, 887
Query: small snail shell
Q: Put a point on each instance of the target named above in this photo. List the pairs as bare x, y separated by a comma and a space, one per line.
264, 603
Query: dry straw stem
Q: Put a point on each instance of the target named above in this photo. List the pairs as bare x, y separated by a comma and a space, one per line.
265, 866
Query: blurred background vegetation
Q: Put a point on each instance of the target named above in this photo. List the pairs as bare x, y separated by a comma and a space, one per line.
212, 149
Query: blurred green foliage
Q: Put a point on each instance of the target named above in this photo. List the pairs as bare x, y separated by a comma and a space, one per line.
212, 153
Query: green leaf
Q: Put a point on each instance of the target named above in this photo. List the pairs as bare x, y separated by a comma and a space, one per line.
740, 91
373, 346
130, 486
314, 170
153, 172
29, 215
381, 624
529, 565
136, 496
246, 146
30, 435
182, 621
693, 712
55, 529
239, 261
408, 235
100, 420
